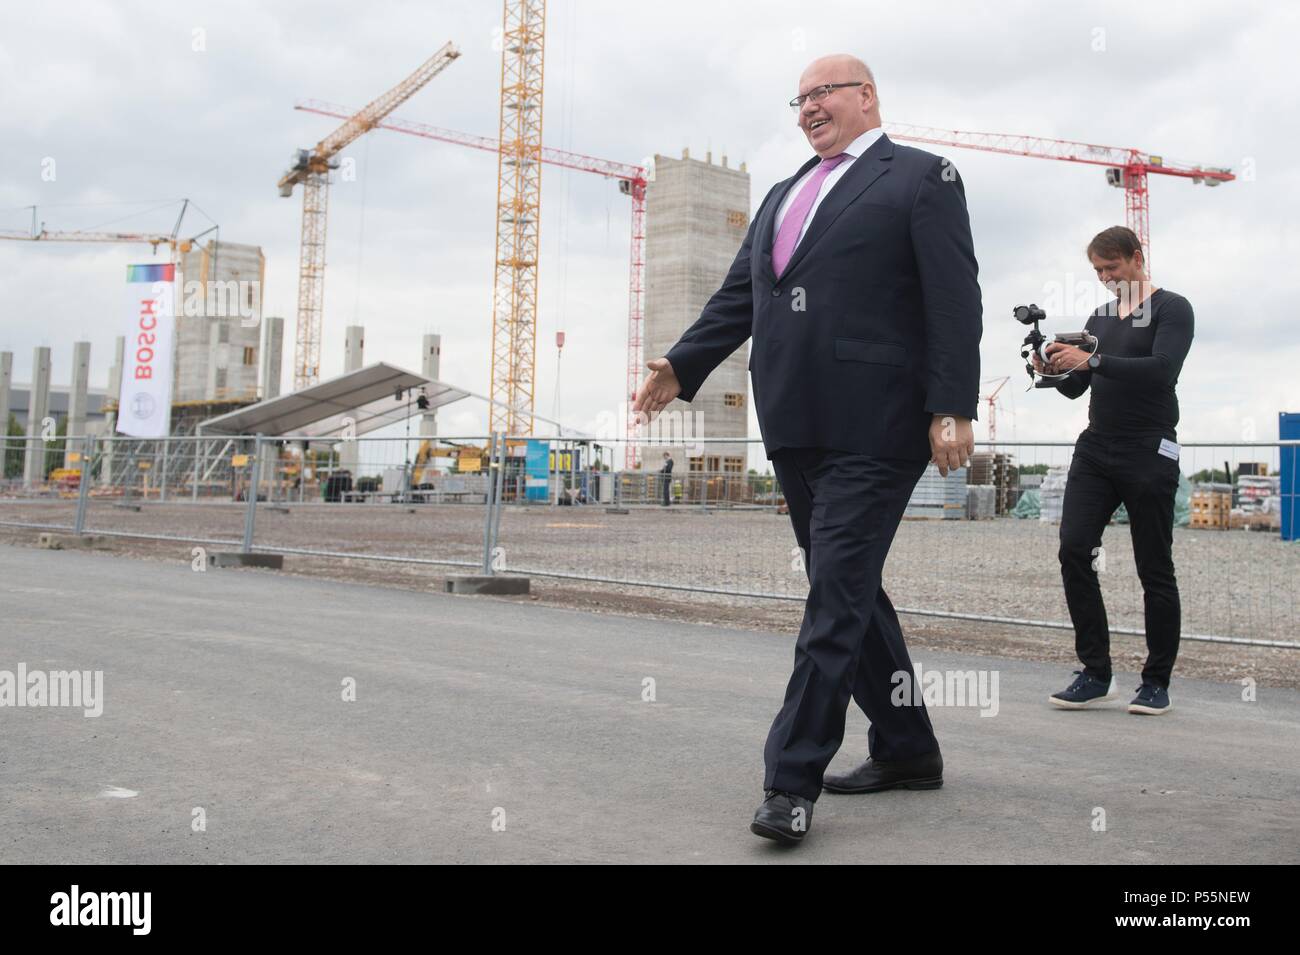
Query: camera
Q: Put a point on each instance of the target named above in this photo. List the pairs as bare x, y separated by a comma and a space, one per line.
1036, 342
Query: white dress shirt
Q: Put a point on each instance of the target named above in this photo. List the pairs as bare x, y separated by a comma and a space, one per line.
854, 150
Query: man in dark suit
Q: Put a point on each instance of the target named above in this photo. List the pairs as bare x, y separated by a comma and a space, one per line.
858, 283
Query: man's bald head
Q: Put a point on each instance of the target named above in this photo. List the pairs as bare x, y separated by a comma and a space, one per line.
846, 65
847, 111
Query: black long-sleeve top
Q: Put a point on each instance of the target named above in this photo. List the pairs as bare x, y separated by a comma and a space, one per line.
1141, 357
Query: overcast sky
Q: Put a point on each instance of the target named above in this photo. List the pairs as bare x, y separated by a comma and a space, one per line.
134, 116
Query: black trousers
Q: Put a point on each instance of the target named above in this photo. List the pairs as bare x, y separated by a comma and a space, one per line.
845, 509
666, 479
1104, 473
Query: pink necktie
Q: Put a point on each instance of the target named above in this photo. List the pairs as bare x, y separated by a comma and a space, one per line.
787, 237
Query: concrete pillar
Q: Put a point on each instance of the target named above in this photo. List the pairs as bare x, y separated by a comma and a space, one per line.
354, 347
216, 386
272, 351
430, 367
38, 407
77, 390
110, 417
6, 382
269, 468
353, 354
115, 370
271, 348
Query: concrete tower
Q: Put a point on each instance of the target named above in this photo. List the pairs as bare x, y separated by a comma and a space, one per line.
218, 322
354, 348
272, 352
430, 366
697, 213
38, 407
77, 400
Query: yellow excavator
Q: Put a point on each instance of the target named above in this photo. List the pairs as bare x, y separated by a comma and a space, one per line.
469, 459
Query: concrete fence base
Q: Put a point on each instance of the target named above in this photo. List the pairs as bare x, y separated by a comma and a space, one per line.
240, 559
52, 541
478, 584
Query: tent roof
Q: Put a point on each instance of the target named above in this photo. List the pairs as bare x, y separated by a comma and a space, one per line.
367, 396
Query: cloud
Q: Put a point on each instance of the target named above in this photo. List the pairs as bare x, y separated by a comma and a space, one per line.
130, 111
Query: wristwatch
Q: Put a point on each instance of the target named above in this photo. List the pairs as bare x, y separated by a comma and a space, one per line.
1094, 361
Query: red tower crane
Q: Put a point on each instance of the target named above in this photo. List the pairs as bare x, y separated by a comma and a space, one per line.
1126, 169
992, 399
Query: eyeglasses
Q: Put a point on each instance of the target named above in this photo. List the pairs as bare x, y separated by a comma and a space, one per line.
819, 93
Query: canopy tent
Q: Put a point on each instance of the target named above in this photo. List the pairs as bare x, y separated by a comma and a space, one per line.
372, 397
368, 396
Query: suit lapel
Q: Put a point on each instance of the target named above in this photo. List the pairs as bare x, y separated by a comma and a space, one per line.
866, 169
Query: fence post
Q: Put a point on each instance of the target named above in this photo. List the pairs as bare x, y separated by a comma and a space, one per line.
87, 455
254, 466
162, 492
274, 476
198, 442
552, 471
128, 485
487, 511
499, 497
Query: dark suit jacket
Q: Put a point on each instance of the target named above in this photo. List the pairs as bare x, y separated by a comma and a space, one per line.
875, 324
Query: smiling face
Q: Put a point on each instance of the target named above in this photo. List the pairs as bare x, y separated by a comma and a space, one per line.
845, 113
1120, 273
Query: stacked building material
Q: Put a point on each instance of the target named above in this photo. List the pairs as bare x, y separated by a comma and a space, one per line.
1051, 494
936, 496
1259, 501
1254, 492
999, 470
981, 502
1211, 506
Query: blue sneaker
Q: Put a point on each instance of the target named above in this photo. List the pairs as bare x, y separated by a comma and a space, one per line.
1151, 700
1083, 692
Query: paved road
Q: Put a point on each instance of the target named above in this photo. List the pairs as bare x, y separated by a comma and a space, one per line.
224, 690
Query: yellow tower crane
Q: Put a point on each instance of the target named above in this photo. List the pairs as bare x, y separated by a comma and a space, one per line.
311, 168
519, 183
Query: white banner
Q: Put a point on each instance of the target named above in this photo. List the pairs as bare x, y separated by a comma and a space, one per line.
144, 405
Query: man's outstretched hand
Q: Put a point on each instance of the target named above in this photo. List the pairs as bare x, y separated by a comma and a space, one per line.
660, 387
952, 442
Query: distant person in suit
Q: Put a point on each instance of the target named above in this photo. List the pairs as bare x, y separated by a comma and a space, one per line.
667, 479
858, 283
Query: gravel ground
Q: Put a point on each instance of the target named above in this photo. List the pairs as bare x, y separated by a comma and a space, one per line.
1232, 583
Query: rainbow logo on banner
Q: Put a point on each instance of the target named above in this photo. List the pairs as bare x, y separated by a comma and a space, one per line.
150, 273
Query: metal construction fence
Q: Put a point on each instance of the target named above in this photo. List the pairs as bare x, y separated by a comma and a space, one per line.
559, 509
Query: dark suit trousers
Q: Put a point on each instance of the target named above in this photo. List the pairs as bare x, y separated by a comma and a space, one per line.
845, 508
1103, 473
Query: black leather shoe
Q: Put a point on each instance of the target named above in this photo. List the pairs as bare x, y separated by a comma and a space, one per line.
873, 776
783, 816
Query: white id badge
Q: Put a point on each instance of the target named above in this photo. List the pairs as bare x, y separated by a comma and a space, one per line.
1169, 449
